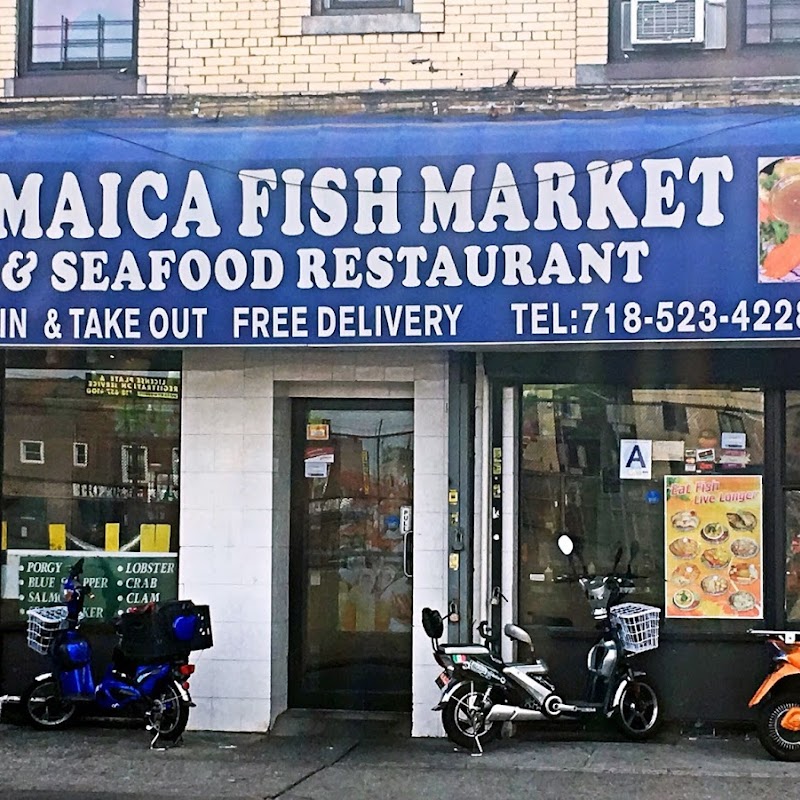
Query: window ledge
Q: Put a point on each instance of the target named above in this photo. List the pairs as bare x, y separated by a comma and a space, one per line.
68, 83
361, 23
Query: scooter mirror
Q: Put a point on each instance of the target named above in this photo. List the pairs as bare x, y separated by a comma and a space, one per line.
76, 570
565, 544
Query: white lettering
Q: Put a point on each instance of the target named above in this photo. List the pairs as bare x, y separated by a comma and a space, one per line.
13, 208
196, 208
709, 171
369, 200
556, 182
443, 203
660, 193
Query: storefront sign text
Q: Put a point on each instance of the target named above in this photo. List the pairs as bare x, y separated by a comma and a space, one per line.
668, 231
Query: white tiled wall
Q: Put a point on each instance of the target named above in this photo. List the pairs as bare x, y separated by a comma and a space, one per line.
235, 512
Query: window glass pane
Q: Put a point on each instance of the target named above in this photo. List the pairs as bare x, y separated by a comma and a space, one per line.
80, 454
570, 481
793, 556
365, 4
792, 441
104, 486
772, 21
93, 31
31, 452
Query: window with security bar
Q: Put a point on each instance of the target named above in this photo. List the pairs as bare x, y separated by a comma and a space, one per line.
772, 21
77, 34
360, 6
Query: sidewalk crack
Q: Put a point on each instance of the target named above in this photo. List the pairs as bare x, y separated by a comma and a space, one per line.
314, 772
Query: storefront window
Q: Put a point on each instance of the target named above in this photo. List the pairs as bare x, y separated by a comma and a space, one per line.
792, 506
692, 519
91, 443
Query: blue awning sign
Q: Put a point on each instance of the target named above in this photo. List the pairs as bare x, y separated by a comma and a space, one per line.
654, 226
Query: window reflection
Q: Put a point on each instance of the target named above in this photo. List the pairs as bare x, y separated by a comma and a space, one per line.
90, 468
570, 480
793, 556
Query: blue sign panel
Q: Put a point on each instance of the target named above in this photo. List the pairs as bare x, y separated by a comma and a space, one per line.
657, 226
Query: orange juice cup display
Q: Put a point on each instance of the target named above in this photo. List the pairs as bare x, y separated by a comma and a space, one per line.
784, 200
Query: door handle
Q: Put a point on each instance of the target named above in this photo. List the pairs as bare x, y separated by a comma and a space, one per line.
407, 570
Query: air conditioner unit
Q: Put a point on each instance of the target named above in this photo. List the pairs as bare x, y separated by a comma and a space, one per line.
667, 21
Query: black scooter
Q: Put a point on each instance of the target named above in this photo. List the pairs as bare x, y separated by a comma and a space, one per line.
480, 691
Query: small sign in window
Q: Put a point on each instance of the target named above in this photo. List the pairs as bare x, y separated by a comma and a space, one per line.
31, 452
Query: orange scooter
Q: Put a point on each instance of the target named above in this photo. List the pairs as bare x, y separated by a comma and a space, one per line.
778, 697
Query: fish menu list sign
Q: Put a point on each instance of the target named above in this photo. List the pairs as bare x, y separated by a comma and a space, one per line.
661, 225
714, 546
117, 582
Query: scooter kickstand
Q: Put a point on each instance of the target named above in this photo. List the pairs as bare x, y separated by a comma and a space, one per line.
478, 747
153, 743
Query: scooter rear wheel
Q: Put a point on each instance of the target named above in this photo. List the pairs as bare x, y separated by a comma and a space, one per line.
781, 743
169, 714
464, 717
44, 706
638, 714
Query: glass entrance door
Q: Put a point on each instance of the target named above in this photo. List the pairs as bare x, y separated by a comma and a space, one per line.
350, 566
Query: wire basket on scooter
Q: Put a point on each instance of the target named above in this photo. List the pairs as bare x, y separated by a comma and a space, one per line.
638, 626
43, 624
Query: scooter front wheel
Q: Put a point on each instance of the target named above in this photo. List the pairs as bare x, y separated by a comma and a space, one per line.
464, 716
779, 726
638, 714
44, 706
169, 714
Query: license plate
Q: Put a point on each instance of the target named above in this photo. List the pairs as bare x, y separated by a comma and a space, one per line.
442, 680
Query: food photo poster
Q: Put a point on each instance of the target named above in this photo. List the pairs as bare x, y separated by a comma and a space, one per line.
714, 546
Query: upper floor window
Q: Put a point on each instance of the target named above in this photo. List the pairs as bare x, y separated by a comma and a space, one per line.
134, 463
689, 39
31, 452
359, 6
80, 454
772, 21
76, 34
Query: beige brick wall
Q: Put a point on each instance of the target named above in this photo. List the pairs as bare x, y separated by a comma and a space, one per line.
592, 32
235, 47
8, 40
256, 46
153, 53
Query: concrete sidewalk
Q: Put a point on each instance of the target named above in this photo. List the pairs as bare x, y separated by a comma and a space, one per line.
356, 761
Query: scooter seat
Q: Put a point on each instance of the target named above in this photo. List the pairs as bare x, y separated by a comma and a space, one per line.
121, 665
466, 648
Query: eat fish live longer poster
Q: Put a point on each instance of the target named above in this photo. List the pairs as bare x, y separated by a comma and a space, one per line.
714, 546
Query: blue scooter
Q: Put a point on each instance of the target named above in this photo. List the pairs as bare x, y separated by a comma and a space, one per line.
150, 669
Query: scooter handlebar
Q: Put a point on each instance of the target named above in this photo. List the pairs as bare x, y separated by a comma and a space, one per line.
585, 579
75, 592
